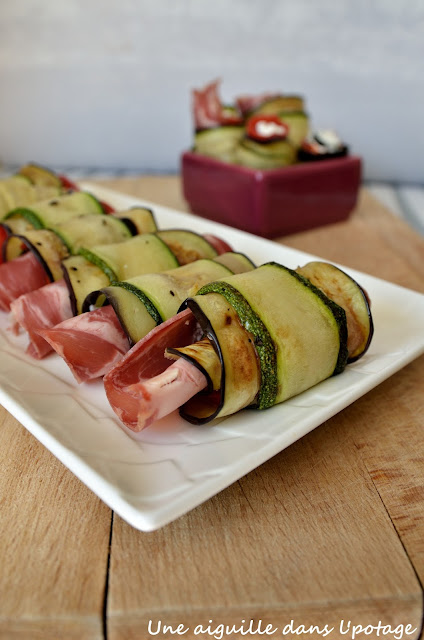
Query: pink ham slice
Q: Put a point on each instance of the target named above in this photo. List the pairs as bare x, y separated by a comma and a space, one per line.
45, 336
136, 398
207, 106
41, 309
91, 343
163, 394
208, 110
19, 276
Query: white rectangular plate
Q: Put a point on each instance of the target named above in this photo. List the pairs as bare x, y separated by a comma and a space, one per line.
177, 466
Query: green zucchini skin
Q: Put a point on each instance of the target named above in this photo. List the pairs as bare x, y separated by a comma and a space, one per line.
282, 340
20, 191
77, 230
214, 404
30, 216
39, 175
147, 253
93, 257
114, 262
218, 142
143, 297
49, 213
263, 342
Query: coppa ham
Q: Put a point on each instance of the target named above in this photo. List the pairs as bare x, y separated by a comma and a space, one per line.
3, 236
98, 333
20, 276
91, 344
208, 110
136, 401
39, 309
163, 394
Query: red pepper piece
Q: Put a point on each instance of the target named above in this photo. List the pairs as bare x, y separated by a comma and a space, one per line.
107, 208
265, 128
68, 184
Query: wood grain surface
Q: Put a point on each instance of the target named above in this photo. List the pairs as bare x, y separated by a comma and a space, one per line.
330, 529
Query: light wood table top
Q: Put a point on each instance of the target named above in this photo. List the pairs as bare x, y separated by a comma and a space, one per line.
330, 529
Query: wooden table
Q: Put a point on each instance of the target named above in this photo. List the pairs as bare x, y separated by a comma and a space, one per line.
330, 529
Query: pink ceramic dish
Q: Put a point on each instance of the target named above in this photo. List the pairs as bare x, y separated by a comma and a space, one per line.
272, 202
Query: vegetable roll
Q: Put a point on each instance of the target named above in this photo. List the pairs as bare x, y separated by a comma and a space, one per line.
265, 336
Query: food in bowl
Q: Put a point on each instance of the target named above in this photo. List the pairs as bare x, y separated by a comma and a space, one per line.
267, 131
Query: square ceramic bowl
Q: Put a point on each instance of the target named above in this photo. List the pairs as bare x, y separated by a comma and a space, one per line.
272, 202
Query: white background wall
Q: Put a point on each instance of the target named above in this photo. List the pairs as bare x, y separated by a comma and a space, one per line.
104, 83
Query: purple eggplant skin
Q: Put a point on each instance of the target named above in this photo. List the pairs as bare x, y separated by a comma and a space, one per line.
367, 302
305, 156
364, 320
31, 247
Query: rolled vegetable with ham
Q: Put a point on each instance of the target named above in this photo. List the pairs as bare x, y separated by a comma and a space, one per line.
25, 227
93, 342
97, 267
74, 218
29, 185
56, 231
44, 214
247, 340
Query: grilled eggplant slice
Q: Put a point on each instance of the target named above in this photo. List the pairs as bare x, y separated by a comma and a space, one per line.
347, 293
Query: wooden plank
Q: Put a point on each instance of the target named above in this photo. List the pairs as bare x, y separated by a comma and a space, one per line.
412, 201
305, 536
391, 447
164, 190
54, 544
321, 532
386, 193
